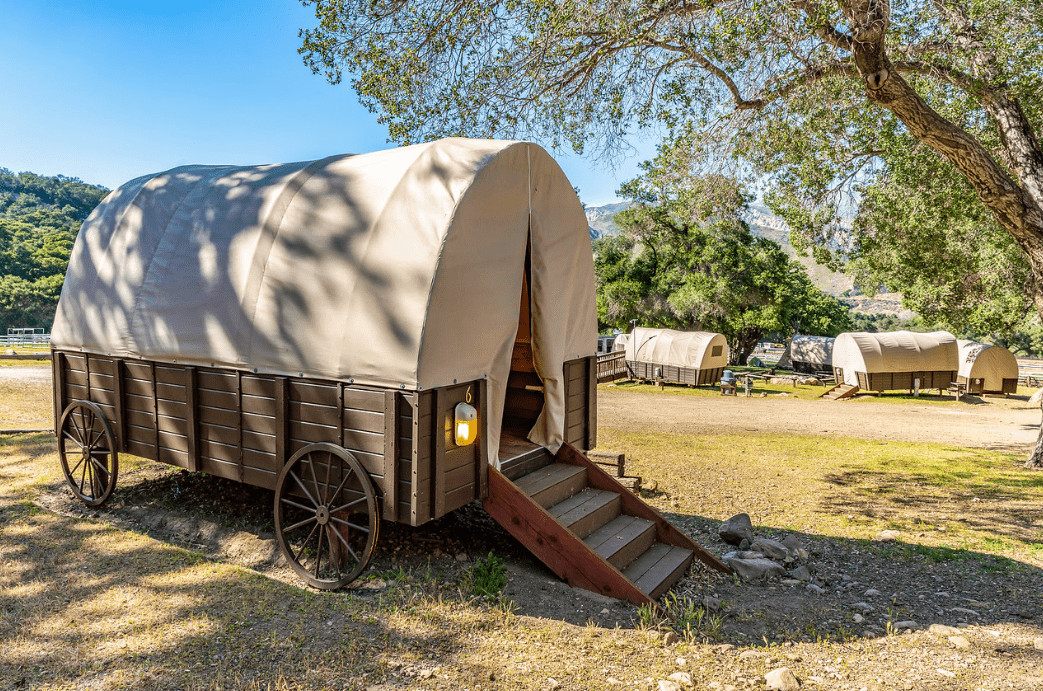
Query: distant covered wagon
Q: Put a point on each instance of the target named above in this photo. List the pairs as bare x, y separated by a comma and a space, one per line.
312, 327
384, 336
808, 354
987, 368
696, 358
896, 360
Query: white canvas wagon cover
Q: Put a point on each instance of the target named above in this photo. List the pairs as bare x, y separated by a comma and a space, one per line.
894, 351
989, 362
813, 350
692, 349
398, 268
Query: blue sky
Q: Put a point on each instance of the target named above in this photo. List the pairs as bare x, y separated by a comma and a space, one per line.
107, 91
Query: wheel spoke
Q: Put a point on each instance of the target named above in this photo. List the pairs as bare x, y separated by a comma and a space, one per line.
88, 470
350, 504
333, 558
314, 479
100, 471
318, 554
298, 525
74, 440
329, 467
350, 525
294, 504
297, 557
83, 473
94, 440
89, 428
345, 542
77, 425
306, 492
72, 473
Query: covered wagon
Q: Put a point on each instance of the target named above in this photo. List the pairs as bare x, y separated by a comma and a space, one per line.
696, 358
986, 368
808, 354
895, 360
372, 337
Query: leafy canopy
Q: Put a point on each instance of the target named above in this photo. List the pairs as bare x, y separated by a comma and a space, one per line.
919, 118
686, 259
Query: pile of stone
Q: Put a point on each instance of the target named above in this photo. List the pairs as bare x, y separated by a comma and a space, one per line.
760, 558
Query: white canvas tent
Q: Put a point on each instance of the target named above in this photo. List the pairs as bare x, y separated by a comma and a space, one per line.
808, 353
684, 357
895, 353
987, 368
694, 349
401, 269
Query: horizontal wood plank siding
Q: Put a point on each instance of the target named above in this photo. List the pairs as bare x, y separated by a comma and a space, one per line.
243, 426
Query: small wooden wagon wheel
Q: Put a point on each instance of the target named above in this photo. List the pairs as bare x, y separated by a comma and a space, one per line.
87, 449
326, 515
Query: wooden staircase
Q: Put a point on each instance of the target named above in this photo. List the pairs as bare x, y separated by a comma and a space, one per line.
588, 529
840, 391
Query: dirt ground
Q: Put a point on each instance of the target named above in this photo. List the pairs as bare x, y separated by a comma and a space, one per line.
1003, 424
987, 613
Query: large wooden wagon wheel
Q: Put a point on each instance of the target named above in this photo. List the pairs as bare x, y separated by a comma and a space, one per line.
326, 515
87, 449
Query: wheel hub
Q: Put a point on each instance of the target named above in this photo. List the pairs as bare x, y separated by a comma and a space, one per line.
322, 515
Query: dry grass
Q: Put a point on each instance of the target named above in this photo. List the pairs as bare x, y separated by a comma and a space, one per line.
87, 606
940, 496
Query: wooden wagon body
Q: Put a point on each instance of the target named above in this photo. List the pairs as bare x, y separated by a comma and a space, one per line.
244, 426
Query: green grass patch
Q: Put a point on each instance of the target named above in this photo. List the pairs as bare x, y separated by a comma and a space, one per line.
487, 578
940, 497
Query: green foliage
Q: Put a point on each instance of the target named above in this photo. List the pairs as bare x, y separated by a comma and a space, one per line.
686, 259
39, 219
771, 84
488, 577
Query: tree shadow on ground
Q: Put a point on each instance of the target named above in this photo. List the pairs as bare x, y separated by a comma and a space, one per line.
86, 603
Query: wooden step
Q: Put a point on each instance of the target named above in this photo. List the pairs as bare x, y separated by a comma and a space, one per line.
622, 540
592, 532
553, 484
658, 568
840, 391
586, 511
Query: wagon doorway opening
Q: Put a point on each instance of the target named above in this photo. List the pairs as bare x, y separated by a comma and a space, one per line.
525, 395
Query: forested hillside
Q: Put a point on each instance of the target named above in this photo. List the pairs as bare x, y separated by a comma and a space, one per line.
39, 219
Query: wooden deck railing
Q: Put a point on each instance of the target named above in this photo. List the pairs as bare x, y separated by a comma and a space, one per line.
612, 366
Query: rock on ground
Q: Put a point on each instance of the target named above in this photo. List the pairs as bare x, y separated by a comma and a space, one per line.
782, 679
736, 529
755, 569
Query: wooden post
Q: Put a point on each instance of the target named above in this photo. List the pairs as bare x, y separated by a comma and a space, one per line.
282, 421
438, 455
239, 416
592, 404
483, 451
58, 368
121, 412
391, 455
155, 407
192, 420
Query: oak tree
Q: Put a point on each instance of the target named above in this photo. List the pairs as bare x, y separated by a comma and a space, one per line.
829, 102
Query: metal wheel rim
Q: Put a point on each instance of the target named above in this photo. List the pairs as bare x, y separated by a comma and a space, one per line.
314, 490
87, 449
